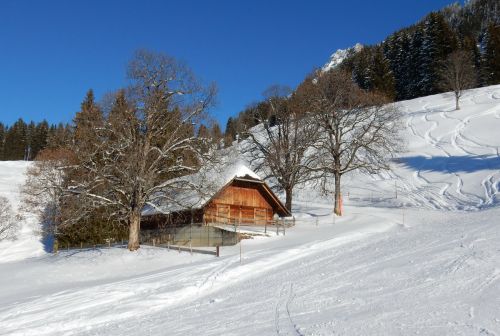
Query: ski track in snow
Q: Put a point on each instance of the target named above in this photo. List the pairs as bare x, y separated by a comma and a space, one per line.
394, 265
424, 126
282, 312
316, 300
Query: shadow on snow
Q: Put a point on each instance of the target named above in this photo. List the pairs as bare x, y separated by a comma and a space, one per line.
451, 164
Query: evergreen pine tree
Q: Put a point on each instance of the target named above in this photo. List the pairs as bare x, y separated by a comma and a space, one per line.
40, 138
492, 55
398, 52
203, 132
2, 140
231, 131
51, 136
381, 77
59, 136
439, 41
87, 124
360, 67
216, 134
215, 131
30, 140
412, 64
468, 43
15, 141
204, 135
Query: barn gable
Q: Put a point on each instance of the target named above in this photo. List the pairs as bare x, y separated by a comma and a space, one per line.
235, 194
246, 200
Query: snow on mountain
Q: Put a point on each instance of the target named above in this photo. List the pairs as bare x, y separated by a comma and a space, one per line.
405, 259
340, 55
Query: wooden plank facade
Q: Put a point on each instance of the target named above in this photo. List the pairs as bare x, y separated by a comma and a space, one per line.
247, 201
245, 204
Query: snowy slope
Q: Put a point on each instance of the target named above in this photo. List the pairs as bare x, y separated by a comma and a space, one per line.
438, 274
28, 242
412, 264
452, 159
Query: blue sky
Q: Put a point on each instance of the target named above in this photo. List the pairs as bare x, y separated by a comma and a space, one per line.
52, 52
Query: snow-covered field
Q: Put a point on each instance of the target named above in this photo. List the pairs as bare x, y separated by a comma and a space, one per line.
407, 258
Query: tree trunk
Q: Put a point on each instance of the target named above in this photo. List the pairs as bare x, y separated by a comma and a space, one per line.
457, 98
134, 229
288, 196
338, 208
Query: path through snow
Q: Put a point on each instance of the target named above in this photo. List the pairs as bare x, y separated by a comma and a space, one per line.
393, 265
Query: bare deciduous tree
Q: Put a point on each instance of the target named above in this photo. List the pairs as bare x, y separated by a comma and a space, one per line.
44, 185
8, 227
458, 74
278, 146
359, 130
146, 140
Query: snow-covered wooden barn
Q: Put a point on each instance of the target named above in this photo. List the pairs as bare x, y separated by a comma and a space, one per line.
234, 194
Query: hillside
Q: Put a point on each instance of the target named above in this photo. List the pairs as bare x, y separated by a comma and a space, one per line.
405, 259
408, 63
452, 159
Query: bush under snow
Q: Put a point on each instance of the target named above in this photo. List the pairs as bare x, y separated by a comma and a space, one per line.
8, 226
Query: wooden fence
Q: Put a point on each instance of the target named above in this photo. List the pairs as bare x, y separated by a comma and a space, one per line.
213, 234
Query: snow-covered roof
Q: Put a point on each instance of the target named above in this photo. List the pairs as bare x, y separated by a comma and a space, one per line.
239, 170
194, 191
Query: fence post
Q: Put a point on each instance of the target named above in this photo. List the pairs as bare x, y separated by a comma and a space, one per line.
284, 227
235, 233
265, 226
55, 246
341, 204
277, 227
239, 236
191, 235
217, 251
